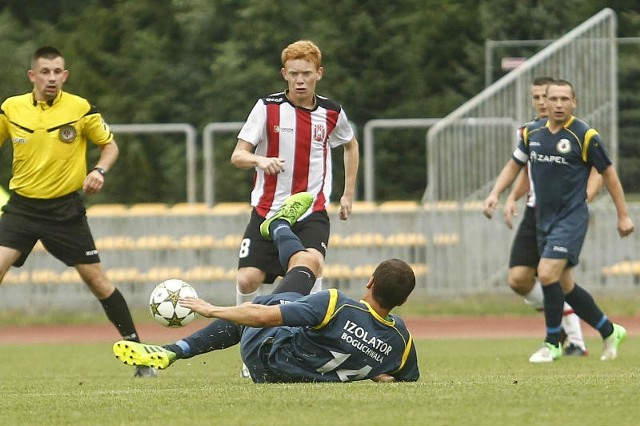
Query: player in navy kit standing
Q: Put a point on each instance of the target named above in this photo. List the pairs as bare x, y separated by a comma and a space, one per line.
291, 336
562, 150
524, 256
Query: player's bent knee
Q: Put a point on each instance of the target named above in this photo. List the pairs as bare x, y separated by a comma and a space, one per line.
249, 280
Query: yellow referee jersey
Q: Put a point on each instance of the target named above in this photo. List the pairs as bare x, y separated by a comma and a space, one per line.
50, 142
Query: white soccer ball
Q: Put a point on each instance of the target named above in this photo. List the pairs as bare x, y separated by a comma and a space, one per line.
164, 303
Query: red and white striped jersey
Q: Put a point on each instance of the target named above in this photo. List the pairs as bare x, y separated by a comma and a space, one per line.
303, 138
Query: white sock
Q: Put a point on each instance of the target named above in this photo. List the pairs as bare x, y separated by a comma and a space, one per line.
317, 286
535, 298
573, 328
244, 297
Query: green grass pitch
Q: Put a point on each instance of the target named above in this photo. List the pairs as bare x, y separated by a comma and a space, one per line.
464, 382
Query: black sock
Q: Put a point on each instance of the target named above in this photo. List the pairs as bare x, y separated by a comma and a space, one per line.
553, 303
118, 313
285, 240
585, 307
299, 279
219, 334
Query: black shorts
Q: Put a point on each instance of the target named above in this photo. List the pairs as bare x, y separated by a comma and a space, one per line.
60, 224
257, 252
524, 250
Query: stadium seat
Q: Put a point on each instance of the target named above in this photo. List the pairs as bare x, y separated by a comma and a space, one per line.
148, 209
39, 247
398, 206
473, 206
124, 275
363, 271
106, 210
406, 239
205, 273
231, 208
441, 206
44, 276
115, 242
189, 209
159, 274
446, 239
156, 242
70, 275
197, 242
420, 269
231, 241
364, 206
357, 239
16, 277
336, 271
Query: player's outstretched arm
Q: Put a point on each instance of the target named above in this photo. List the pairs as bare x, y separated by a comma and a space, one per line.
250, 314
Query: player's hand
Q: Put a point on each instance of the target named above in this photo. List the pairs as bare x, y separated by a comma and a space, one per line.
383, 378
93, 182
346, 204
510, 211
198, 306
271, 165
625, 226
490, 204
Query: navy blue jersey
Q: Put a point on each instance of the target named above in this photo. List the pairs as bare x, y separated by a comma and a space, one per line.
328, 337
560, 164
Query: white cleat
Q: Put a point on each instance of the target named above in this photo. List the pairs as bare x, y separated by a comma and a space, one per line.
547, 353
612, 343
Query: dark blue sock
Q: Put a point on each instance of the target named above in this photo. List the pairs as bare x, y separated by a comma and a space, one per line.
285, 240
299, 279
585, 307
219, 334
553, 303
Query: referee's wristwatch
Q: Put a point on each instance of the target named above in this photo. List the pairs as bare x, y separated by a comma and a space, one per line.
100, 170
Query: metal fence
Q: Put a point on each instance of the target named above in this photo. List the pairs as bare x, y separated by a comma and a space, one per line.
468, 148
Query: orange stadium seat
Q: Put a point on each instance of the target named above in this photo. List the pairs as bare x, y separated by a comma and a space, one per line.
446, 239
231, 208
231, 241
44, 276
406, 239
336, 271
162, 273
398, 206
197, 241
106, 210
148, 209
70, 275
442, 206
188, 209
115, 242
156, 242
205, 273
15, 277
123, 275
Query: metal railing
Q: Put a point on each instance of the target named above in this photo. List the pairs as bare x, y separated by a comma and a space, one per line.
586, 56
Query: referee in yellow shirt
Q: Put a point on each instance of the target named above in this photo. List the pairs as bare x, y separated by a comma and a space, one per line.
49, 130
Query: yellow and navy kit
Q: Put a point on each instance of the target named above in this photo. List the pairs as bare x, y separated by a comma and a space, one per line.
49, 142
560, 166
328, 337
